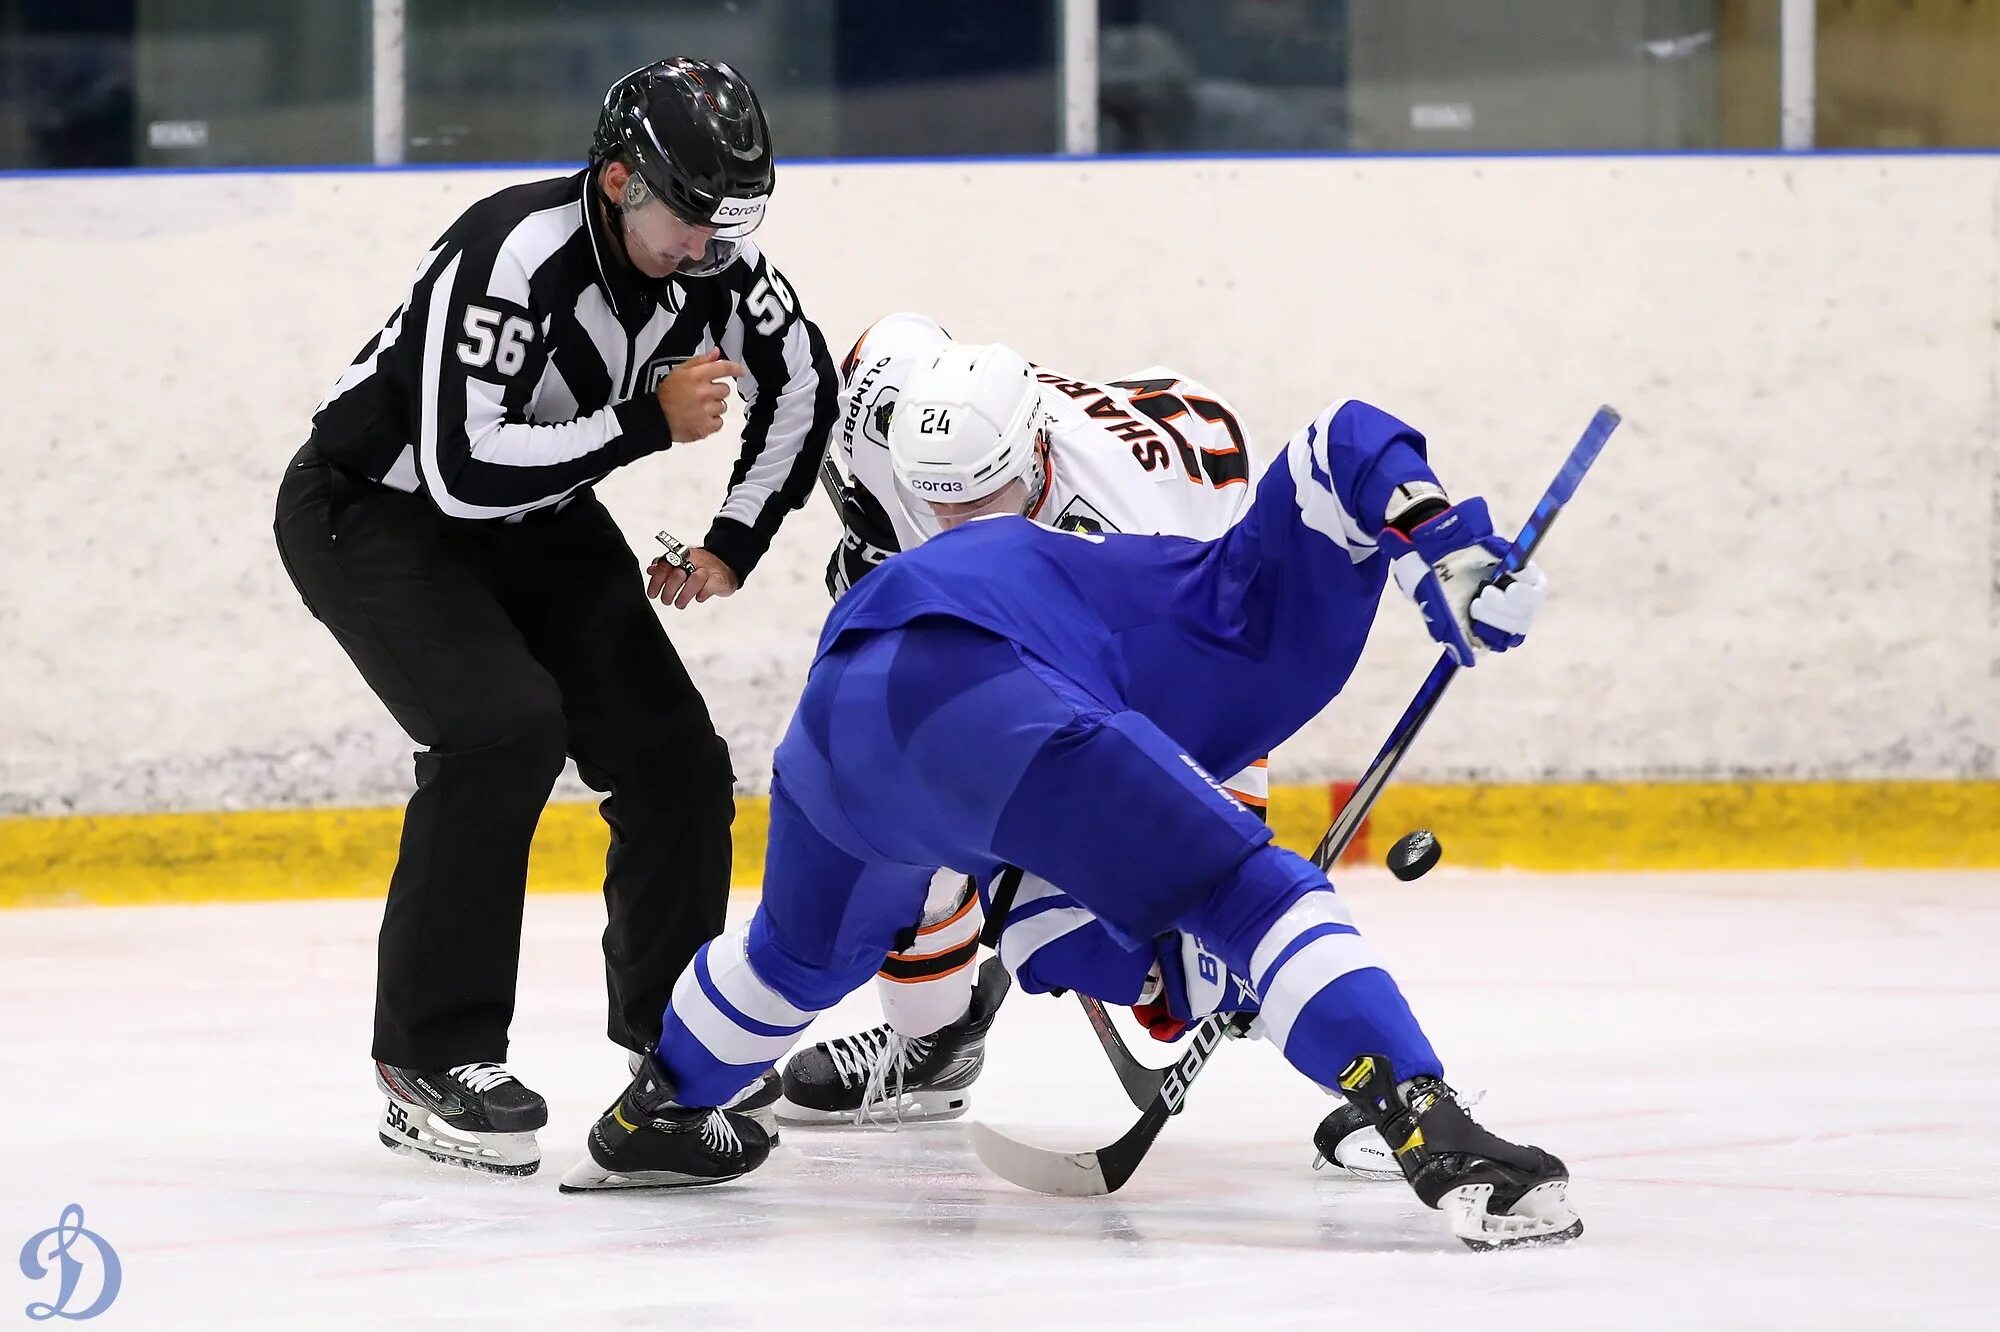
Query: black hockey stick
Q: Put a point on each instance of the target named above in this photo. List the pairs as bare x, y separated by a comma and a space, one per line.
1142, 1082
1105, 1170
1090, 1174
832, 477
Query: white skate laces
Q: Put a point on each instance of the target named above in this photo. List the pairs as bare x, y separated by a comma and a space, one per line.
481, 1078
718, 1134
874, 1058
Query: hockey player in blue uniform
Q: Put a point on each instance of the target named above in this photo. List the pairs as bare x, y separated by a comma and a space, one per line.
1011, 695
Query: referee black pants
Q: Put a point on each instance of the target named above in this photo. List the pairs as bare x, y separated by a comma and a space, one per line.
500, 647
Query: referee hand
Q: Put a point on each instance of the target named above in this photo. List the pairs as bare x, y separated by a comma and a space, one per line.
681, 588
694, 394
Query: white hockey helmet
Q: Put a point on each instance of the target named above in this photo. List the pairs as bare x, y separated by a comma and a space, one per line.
904, 333
969, 437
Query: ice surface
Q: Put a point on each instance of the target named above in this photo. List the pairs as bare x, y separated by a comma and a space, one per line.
1778, 1094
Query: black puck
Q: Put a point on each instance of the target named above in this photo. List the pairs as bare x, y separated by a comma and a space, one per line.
1413, 854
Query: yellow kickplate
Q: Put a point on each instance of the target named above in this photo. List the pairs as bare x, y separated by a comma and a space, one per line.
253, 855
267, 855
1702, 825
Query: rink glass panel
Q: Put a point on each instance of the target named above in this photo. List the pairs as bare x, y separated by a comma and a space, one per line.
515, 80
250, 83
1412, 75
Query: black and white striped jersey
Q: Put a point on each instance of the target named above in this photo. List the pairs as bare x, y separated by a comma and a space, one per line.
522, 365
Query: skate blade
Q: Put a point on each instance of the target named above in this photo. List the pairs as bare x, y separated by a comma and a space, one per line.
1542, 1216
586, 1176
1363, 1155
464, 1162
924, 1107
411, 1130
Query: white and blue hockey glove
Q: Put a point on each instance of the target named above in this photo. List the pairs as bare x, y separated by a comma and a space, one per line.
1448, 564
1186, 984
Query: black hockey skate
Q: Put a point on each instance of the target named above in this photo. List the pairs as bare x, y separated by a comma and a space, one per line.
647, 1140
881, 1072
1348, 1141
759, 1100
1495, 1194
478, 1116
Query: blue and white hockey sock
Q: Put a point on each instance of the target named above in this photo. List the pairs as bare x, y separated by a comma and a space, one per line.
724, 1026
1326, 994
1328, 997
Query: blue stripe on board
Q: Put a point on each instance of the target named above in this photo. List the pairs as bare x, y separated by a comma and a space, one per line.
1038, 159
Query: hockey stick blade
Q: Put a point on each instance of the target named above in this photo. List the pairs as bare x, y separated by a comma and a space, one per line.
1105, 1170
1069, 1174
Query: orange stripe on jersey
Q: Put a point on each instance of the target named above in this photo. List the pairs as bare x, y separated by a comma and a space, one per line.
928, 976
929, 957
853, 357
1042, 445
964, 909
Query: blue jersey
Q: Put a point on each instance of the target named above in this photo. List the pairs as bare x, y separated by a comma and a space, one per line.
1229, 646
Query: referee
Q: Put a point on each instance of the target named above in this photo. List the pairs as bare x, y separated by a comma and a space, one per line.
440, 523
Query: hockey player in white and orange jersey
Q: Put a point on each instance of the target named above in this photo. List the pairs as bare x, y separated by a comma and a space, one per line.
1153, 453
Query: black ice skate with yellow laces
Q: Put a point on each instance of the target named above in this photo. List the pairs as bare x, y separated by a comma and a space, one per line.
648, 1140
1495, 1194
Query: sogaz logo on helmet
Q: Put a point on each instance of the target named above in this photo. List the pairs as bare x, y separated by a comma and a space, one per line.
936, 484
735, 212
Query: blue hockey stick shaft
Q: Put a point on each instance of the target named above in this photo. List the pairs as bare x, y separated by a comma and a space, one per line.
1369, 788
1161, 1093
1143, 1083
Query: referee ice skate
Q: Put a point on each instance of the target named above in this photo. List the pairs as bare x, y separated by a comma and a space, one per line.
440, 523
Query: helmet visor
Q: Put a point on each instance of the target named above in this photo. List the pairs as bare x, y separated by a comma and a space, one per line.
675, 245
